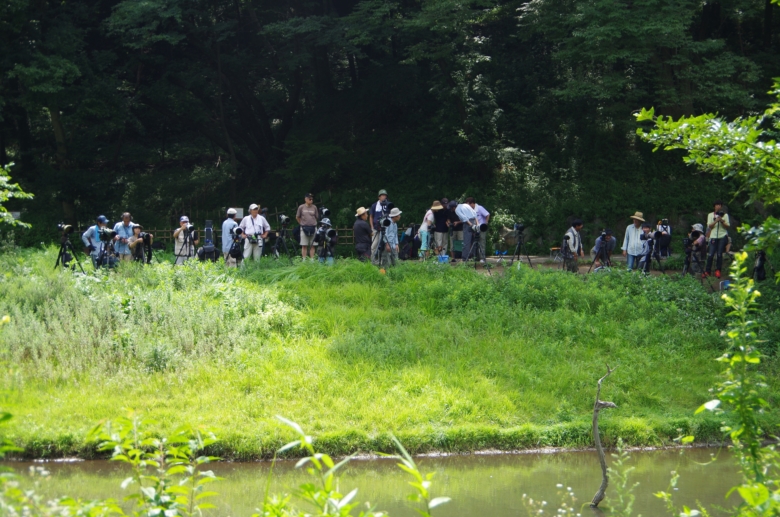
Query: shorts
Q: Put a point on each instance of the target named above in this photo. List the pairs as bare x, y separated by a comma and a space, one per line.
307, 240
424, 236
440, 239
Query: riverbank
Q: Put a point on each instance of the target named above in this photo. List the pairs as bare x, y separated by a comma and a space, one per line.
444, 358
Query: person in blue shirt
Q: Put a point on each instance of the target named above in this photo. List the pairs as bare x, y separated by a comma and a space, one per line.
227, 236
91, 238
390, 253
124, 230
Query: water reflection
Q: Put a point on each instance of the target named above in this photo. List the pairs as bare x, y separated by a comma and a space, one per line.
478, 484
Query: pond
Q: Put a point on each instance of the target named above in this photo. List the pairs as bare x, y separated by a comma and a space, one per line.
478, 484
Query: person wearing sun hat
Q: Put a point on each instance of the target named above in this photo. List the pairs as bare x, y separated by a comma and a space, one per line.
184, 242
425, 228
632, 242
390, 253
361, 232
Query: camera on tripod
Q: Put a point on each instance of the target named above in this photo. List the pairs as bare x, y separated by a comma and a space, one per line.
324, 213
519, 227
324, 233
106, 234
66, 229
284, 220
476, 229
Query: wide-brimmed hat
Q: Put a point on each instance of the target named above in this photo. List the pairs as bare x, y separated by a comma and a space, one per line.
136, 225
360, 211
698, 227
638, 215
437, 206
382, 192
253, 207
395, 212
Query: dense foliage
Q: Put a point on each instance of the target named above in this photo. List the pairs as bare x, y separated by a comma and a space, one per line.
170, 106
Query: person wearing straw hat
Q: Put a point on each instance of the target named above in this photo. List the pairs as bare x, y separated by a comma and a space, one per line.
390, 253
361, 231
425, 229
632, 241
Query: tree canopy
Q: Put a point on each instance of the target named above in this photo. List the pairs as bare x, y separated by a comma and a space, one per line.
159, 106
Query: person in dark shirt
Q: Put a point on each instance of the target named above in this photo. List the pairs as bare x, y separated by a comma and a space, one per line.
456, 225
378, 210
440, 226
362, 234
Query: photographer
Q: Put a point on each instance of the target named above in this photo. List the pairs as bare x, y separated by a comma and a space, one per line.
362, 234
307, 216
227, 233
376, 212
441, 224
665, 240
137, 244
424, 232
184, 241
483, 217
91, 238
124, 230
698, 245
572, 246
632, 241
718, 224
604, 246
455, 225
255, 229
390, 254
468, 217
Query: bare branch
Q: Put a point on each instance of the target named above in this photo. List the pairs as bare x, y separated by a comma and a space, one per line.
597, 406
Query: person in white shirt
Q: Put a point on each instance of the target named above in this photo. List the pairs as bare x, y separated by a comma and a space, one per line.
632, 242
718, 224
468, 216
425, 229
572, 246
184, 241
255, 229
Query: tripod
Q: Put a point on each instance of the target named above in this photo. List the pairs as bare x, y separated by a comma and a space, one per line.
603, 255
380, 249
280, 246
187, 245
67, 253
325, 252
106, 255
692, 255
476, 250
520, 250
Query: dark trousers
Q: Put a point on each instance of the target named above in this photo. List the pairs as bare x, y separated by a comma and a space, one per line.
468, 240
717, 246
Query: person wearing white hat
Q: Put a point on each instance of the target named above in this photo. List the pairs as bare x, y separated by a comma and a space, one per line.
184, 241
632, 241
255, 229
227, 236
390, 253
361, 231
696, 249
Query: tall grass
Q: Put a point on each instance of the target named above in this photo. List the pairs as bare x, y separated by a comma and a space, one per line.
443, 357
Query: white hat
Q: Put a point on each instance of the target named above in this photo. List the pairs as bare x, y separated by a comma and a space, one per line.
395, 212
253, 206
231, 211
698, 227
184, 219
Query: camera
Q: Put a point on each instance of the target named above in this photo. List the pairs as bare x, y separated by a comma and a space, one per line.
65, 228
720, 213
284, 220
324, 213
236, 232
687, 243
324, 233
146, 237
106, 234
519, 227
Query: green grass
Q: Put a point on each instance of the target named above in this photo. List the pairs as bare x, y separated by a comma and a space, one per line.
443, 357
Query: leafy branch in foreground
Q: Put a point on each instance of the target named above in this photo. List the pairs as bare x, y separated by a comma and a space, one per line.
8, 191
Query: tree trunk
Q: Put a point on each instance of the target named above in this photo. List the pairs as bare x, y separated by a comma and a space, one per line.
598, 406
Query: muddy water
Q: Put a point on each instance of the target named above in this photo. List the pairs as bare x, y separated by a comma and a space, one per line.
479, 485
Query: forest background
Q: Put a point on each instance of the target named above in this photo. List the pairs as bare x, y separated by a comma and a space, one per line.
164, 107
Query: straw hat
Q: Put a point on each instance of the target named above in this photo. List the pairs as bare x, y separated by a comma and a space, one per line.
360, 211
437, 206
638, 215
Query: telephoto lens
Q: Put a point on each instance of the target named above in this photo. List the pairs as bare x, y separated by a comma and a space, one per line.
284, 219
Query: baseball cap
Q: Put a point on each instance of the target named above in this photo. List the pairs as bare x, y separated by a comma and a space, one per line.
231, 211
253, 206
309, 195
102, 219
184, 219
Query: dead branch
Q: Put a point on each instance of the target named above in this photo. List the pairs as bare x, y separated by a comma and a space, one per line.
596, 408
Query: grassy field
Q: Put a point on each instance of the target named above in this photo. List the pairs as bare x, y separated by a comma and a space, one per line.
443, 357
